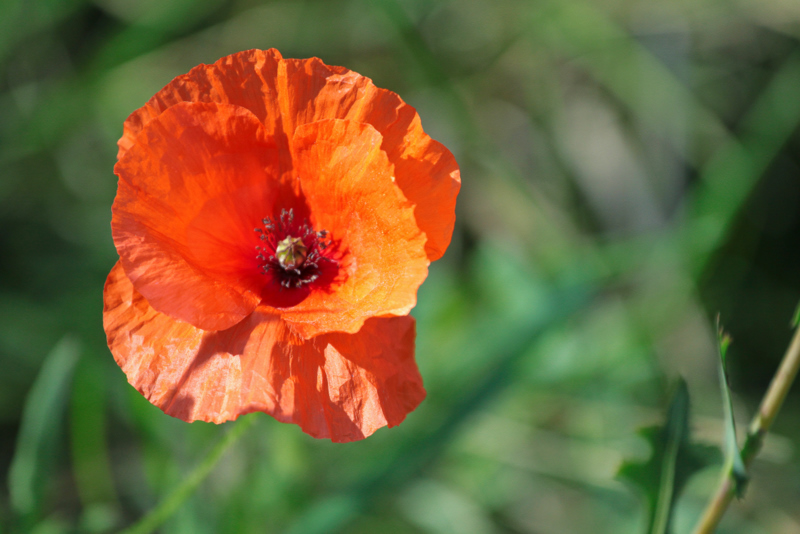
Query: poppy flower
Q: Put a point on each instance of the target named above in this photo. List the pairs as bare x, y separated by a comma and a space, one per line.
274, 219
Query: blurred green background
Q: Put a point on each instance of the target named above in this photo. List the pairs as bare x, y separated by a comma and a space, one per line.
630, 169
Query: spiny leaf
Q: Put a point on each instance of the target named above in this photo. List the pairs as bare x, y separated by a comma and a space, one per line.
673, 461
733, 455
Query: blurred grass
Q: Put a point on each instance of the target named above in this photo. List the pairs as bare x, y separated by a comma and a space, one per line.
642, 152
40, 429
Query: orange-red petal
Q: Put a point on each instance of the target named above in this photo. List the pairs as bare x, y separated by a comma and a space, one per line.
287, 93
191, 189
424, 169
337, 386
428, 175
348, 186
245, 79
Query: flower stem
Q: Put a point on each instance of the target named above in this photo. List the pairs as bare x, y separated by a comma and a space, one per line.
770, 406
174, 500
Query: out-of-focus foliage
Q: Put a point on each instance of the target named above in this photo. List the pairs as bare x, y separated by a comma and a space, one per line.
673, 462
630, 169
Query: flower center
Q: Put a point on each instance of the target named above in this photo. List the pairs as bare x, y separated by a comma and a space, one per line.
292, 253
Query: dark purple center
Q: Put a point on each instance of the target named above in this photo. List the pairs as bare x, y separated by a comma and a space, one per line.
291, 252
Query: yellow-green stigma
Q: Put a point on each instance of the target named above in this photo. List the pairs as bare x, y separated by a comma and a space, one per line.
291, 252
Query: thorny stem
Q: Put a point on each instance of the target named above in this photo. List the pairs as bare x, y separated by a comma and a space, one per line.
770, 406
174, 500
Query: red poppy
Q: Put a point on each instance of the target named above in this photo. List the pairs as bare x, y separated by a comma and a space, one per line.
274, 219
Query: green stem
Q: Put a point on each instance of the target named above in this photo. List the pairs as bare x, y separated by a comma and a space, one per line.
174, 500
770, 406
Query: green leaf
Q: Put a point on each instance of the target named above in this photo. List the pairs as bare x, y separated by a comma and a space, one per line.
42, 419
733, 455
673, 461
796, 317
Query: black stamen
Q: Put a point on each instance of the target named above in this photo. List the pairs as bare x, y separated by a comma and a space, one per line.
301, 253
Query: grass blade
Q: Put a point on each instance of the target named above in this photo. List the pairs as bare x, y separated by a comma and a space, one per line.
42, 418
174, 500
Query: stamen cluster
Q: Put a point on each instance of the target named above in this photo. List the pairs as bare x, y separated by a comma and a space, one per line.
292, 252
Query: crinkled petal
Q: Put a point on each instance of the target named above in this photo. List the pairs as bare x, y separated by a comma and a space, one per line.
347, 184
428, 175
191, 188
245, 79
288, 93
424, 169
337, 386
